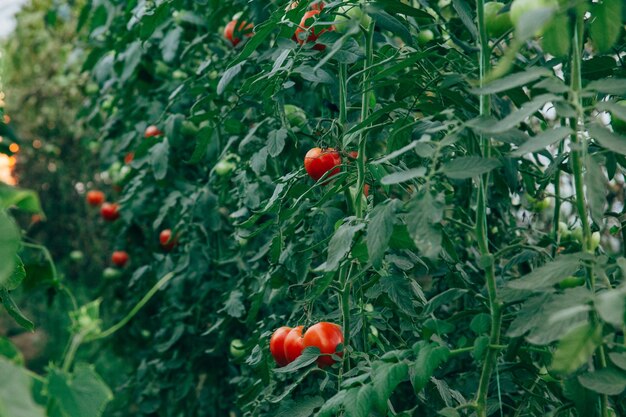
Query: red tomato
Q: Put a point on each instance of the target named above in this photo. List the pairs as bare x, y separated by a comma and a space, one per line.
129, 157
110, 211
366, 190
277, 345
325, 336
231, 31
167, 241
294, 344
152, 131
303, 34
318, 162
95, 198
119, 258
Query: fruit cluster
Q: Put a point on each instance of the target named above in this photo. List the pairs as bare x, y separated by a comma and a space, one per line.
287, 344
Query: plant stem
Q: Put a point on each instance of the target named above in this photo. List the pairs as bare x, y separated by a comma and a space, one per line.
365, 110
557, 205
578, 153
135, 309
481, 230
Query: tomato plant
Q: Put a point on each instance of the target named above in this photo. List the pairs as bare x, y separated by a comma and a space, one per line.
463, 230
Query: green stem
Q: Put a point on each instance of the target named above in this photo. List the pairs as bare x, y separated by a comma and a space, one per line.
365, 110
579, 148
481, 230
135, 309
77, 340
557, 205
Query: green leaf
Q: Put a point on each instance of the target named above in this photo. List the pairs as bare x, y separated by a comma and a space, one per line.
308, 356
14, 310
340, 245
303, 407
585, 400
611, 306
234, 306
403, 291
542, 140
18, 275
10, 351
557, 37
391, 23
618, 359
424, 213
509, 82
159, 159
379, 231
607, 139
169, 44
276, 142
613, 86
465, 14
549, 274
25, 200
608, 381
468, 167
429, 358
517, 116
385, 378
228, 76
16, 399
595, 184
606, 24
79, 394
403, 176
533, 21
548, 317
575, 349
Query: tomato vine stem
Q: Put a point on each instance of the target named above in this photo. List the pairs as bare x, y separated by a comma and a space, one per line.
481, 227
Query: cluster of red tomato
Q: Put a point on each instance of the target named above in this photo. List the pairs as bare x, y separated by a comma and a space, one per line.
111, 212
303, 33
287, 344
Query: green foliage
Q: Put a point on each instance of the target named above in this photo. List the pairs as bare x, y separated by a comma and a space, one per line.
445, 276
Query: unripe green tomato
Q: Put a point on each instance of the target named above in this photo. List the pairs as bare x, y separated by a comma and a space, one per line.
178, 17
295, 115
425, 36
374, 331
161, 69
564, 230
571, 282
77, 255
619, 125
368, 307
348, 14
146, 333
107, 104
94, 147
521, 7
179, 75
496, 24
223, 167
595, 240
189, 128
124, 171
111, 273
92, 88
577, 234
237, 349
